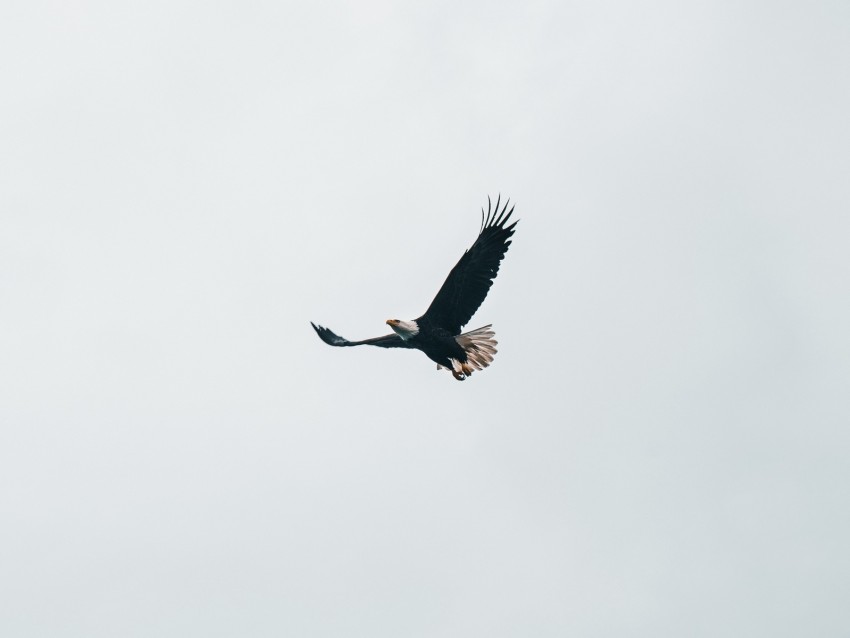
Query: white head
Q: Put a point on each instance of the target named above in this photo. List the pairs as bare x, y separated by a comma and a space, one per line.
404, 329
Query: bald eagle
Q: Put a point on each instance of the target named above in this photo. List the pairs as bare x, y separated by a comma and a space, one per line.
437, 332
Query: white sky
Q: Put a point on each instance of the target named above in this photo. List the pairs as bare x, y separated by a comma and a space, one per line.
661, 446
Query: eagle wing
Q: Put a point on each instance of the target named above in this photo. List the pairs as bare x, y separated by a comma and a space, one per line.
332, 339
468, 283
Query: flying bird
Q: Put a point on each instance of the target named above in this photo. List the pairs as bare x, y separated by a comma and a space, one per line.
437, 332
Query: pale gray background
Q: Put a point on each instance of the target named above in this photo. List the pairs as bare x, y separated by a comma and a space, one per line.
661, 446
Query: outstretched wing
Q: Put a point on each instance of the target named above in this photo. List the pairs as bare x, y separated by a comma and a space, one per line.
469, 281
332, 339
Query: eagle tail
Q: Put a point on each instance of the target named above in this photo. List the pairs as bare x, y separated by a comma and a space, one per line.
479, 345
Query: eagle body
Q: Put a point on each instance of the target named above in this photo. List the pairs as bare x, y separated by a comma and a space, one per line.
437, 333
438, 344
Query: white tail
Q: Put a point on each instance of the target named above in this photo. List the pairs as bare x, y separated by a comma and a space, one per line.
479, 345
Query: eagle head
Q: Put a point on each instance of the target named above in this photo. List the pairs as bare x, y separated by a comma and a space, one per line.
404, 329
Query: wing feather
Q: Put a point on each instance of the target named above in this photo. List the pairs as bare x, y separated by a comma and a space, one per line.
333, 339
470, 280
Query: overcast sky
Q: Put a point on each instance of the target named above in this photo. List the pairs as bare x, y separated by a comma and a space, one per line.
661, 445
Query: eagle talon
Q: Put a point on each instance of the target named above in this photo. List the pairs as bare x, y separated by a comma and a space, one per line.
460, 376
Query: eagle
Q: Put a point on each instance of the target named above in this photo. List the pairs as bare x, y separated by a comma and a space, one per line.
437, 333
